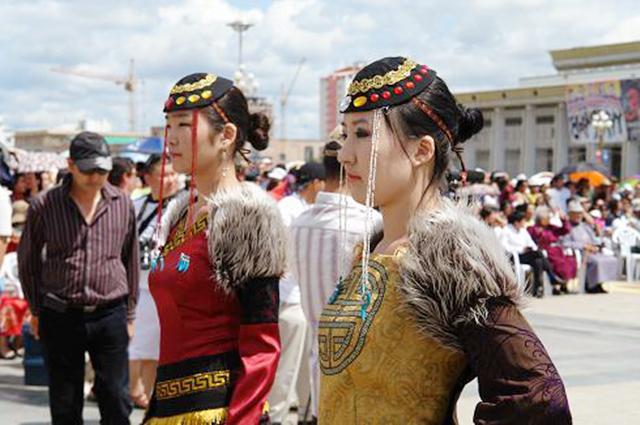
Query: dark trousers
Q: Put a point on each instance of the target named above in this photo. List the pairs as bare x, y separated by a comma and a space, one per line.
539, 264
66, 337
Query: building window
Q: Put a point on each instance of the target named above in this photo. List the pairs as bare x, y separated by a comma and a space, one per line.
613, 158
512, 164
544, 159
482, 159
545, 119
487, 122
282, 157
577, 154
513, 121
308, 153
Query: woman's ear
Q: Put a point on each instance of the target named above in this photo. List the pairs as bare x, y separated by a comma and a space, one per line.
425, 151
228, 135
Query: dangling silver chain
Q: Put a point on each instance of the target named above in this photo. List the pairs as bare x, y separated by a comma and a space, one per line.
365, 292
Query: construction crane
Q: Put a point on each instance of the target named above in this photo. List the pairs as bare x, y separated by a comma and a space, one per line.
284, 98
129, 83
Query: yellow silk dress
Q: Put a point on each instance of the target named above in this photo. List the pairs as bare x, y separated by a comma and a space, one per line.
381, 370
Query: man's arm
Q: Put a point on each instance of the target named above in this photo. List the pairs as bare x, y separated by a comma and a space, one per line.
131, 261
30, 255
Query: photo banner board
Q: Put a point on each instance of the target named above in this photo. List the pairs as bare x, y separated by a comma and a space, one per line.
631, 106
583, 100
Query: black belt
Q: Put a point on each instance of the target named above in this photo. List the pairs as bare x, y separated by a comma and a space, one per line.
60, 305
195, 384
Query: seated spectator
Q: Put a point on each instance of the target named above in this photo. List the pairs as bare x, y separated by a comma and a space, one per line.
516, 240
19, 191
14, 309
493, 218
598, 221
558, 194
521, 194
601, 266
547, 237
615, 216
634, 220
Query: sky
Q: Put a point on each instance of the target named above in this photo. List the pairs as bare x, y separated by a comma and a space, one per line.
473, 45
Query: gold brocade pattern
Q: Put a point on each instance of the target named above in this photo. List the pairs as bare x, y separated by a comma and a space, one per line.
198, 85
202, 417
192, 384
182, 234
379, 81
382, 370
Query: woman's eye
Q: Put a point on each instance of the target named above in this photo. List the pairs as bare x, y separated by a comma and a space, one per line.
184, 124
362, 133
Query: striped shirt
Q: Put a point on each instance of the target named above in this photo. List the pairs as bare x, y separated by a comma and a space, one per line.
86, 264
315, 248
315, 261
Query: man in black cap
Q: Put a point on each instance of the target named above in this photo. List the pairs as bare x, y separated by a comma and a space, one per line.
78, 262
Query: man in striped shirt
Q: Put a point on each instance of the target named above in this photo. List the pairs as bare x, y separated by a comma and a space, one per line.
78, 262
315, 252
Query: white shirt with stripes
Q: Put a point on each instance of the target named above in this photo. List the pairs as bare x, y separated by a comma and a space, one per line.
314, 258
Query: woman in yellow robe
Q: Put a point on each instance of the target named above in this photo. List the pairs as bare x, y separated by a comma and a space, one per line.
433, 303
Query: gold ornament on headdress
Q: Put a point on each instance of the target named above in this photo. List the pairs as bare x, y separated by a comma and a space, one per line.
379, 81
198, 85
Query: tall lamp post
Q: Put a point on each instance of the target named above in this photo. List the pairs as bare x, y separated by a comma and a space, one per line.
240, 27
601, 122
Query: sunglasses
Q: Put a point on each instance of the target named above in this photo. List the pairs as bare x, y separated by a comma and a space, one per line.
100, 171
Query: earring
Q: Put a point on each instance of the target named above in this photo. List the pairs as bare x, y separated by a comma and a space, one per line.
224, 160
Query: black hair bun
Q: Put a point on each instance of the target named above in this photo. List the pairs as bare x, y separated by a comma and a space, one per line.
470, 123
259, 126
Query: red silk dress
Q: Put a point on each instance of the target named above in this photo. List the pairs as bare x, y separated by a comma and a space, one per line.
218, 351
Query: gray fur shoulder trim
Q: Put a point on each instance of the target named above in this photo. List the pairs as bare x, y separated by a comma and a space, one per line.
174, 211
453, 265
246, 236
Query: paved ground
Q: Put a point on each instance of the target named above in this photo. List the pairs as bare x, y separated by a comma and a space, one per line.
593, 339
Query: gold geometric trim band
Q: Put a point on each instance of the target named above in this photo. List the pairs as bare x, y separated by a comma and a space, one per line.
206, 81
379, 81
192, 384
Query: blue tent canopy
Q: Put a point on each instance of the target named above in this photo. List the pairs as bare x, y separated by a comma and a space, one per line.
147, 145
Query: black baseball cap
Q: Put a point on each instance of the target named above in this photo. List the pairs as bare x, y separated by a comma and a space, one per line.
89, 151
309, 172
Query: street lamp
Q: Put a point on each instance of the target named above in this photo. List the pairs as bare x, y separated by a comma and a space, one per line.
601, 122
240, 27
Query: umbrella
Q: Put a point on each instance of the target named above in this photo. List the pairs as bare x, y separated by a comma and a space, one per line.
147, 145
582, 167
35, 162
135, 156
595, 178
541, 179
597, 174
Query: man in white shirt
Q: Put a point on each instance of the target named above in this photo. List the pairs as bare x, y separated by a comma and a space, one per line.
316, 251
558, 194
516, 240
310, 180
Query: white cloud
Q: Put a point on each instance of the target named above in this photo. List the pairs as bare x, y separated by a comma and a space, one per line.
477, 44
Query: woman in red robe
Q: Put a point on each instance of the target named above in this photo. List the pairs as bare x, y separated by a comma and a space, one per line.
220, 251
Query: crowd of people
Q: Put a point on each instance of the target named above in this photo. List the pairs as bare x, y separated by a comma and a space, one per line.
558, 226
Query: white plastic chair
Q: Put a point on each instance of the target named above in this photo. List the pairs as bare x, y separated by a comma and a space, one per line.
521, 270
626, 238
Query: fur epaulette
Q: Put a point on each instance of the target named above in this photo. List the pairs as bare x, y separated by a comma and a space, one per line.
453, 265
246, 235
